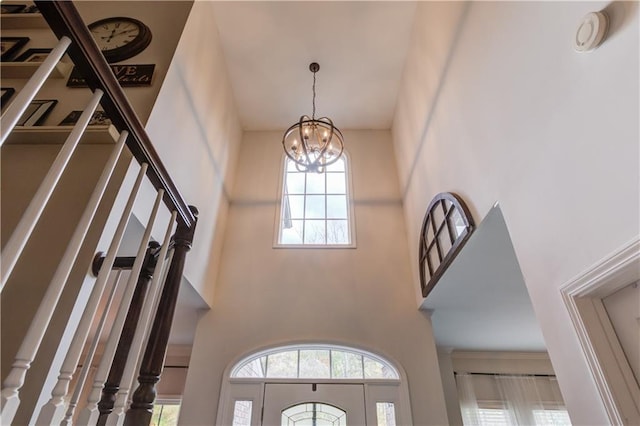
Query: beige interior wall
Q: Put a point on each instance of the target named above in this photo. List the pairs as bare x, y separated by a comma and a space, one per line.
196, 131
358, 297
495, 105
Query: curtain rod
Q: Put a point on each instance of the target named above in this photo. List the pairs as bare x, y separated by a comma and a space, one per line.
504, 374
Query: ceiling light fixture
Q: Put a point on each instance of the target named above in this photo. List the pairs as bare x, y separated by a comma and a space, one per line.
312, 143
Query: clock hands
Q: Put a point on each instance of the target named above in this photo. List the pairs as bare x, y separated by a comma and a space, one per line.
114, 34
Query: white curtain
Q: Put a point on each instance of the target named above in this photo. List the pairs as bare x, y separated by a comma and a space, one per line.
510, 400
521, 396
468, 401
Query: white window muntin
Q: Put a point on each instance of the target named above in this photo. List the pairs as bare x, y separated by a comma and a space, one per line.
341, 167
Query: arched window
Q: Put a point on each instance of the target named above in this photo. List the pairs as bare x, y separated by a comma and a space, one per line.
303, 383
446, 227
315, 362
315, 208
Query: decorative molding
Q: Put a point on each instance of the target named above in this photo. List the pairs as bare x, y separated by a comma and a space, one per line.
613, 272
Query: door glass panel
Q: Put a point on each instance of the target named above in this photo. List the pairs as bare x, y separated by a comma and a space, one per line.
242, 413
314, 414
386, 414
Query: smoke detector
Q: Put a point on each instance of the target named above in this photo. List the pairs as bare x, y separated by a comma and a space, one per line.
591, 32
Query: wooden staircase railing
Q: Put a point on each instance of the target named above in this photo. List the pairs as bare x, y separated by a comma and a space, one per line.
147, 312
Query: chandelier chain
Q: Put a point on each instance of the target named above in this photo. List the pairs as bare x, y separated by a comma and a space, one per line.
313, 115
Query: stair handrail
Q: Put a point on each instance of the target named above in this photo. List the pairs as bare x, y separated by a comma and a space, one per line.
64, 20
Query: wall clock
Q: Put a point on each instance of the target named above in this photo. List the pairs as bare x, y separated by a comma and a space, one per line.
120, 38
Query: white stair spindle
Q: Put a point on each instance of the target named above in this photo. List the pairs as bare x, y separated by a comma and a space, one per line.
30, 90
31, 343
86, 365
89, 415
21, 234
53, 411
116, 417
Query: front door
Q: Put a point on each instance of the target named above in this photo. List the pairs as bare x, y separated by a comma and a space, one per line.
321, 404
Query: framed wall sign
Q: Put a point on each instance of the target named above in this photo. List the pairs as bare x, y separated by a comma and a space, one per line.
128, 75
5, 94
9, 46
99, 118
12, 8
36, 112
33, 55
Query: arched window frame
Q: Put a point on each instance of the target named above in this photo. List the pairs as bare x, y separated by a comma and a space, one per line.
440, 238
351, 233
366, 355
251, 389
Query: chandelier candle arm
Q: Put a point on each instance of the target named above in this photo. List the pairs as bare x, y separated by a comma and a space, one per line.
313, 144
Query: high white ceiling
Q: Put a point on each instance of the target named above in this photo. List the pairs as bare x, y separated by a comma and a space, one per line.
360, 46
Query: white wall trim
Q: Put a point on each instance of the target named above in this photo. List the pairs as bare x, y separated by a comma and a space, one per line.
581, 296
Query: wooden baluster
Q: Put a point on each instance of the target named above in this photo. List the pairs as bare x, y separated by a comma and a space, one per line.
116, 415
89, 415
143, 398
54, 410
86, 365
112, 384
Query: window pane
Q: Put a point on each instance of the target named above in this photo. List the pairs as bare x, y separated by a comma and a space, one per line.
242, 413
376, 370
493, 417
386, 414
314, 208
314, 364
313, 413
282, 364
346, 365
314, 232
337, 232
336, 207
551, 417
295, 183
291, 232
291, 166
338, 166
253, 368
165, 415
315, 183
336, 183
293, 206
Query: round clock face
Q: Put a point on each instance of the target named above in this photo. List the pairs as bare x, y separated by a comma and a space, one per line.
120, 38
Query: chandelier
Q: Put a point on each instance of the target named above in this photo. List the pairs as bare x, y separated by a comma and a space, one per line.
313, 143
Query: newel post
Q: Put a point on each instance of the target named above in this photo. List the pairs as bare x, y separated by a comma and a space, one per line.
143, 398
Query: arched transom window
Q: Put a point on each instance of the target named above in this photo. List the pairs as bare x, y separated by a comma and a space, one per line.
315, 362
315, 207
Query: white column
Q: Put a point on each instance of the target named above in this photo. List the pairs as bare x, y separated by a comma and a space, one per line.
116, 417
31, 89
90, 414
53, 411
31, 343
20, 236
